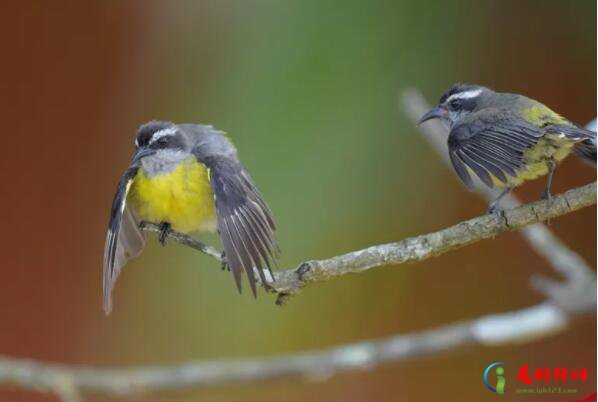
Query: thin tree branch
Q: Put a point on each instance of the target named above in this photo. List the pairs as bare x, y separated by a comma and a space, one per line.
184, 240
519, 326
425, 246
66, 390
292, 281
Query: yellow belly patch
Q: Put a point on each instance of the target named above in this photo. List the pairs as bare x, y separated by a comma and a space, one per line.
552, 147
536, 160
182, 197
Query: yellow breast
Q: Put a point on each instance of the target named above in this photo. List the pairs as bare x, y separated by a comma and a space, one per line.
182, 197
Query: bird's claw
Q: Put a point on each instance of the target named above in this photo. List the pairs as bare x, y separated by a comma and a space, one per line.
164, 231
547, 196
494, 209
224, 263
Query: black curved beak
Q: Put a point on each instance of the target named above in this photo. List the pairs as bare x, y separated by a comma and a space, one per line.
436, 113
142, 153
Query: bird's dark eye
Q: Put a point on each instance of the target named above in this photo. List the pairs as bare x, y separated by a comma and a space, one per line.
455, 104
159, 143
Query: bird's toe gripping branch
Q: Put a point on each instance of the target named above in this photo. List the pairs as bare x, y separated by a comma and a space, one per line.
224, 262
164, 232
494, 209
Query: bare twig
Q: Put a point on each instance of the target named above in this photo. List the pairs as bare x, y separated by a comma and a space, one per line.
67, 391
425, 246
184, 240
520, 326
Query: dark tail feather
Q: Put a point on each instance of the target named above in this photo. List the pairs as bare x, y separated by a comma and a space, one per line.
585, 139
586, 149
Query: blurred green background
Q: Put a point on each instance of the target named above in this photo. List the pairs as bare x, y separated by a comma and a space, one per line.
308, 91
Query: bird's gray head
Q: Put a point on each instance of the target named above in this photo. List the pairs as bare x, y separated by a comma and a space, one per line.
459, 101
160, 147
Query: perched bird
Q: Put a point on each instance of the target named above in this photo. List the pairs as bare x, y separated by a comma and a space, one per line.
187, 177
506, 139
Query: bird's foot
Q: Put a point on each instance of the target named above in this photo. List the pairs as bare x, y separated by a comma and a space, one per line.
546, 195
494, 209
164, 231
224, 264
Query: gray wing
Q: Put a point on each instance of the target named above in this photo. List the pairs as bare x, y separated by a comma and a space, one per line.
124, 239
245, 222
491, 143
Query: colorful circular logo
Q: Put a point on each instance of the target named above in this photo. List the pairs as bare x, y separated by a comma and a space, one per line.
500, 379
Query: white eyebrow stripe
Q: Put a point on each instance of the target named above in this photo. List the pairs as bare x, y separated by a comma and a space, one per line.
472, 93
162, 133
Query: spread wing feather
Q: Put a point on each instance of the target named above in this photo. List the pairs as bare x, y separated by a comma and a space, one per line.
245, 222
461, 169
124, 239
496, 157
482, 158
491, 144
478, 169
